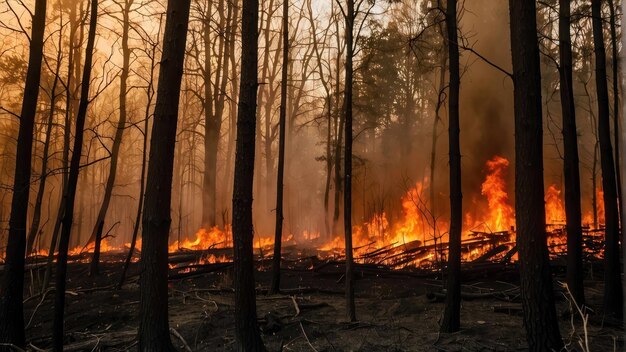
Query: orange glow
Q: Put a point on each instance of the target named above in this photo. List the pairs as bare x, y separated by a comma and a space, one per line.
205, 239
500, 215
487, 221
555, 210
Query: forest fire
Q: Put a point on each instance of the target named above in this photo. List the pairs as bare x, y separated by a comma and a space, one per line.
416, 229
212, 175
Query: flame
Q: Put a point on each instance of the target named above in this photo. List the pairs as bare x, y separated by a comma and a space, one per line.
500, 215
600, 205
416, 229
205, 239
588, 217
555, 210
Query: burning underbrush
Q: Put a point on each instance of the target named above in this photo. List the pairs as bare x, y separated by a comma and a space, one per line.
416, 240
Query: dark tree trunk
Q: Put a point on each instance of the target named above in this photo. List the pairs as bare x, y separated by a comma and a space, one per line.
144, 157
215, 126
452, 315
278, 234
36, 221
339, 123
540, 320
616, 110
347, 194
437, 120
73, 52
211, 130
570, 160
70, 191
247, 336
154, 332
232, 112
12, 284
96, 235
612, 274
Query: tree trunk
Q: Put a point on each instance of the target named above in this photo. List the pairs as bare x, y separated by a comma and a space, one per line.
211, 132
594, 184
339, 125
70, 86
278, 231
144, 157
616, 110
36, 221
570, 160
440, 102
70, 191
539, 313
347, 194
96, 234
154, 332
452, 315
12, 284
247, 336
232, 111
612, 274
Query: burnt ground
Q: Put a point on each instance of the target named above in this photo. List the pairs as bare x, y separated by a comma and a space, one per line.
396, 311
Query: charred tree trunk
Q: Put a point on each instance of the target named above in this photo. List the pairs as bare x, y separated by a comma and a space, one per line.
219, 96
452, 315
539, 313
211, 130
570, 160
594, 184
154, 332
70, 191
339, 123
612, 274
247, 337
72, 72
232, 111
278, 231
12, 284
347, 195
96, 234
36, 221
440, 103
616, 110
144, 158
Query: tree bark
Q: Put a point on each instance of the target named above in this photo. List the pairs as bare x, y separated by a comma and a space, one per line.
73, 65
70, 191
144, 158
347, 194
12, 284
278, 231
616, 110
154, 332
570, 159
96, 235
36, 221
612, 275
232, 110
247, 337
539, 313
440, 103
211, 129
452, 315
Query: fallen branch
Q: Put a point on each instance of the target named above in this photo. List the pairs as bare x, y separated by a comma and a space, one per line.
181, 339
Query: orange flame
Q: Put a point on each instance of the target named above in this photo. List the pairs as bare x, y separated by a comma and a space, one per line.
555, 210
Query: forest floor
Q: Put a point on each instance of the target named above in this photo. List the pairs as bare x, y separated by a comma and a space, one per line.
395, 312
